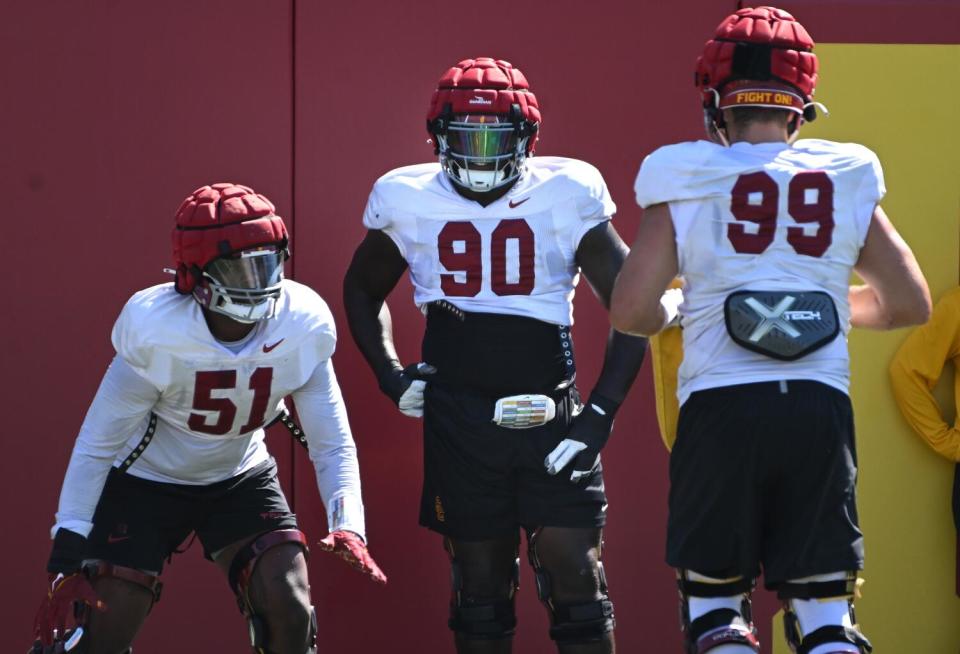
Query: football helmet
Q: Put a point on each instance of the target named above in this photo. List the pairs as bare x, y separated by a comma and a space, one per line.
758, 57
484, 121
229, 247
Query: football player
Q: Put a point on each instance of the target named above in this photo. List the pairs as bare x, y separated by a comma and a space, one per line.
765, 231
495, 241
173, 442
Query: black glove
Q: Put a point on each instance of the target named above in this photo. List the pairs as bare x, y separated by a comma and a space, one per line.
588, 434
66, 556
405, 386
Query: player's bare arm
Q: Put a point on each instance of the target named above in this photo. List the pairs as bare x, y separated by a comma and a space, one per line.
895, 293
636, 306
373, 273
601, 256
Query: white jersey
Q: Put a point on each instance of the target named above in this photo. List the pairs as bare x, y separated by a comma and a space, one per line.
767, 216
515, 256
178, 406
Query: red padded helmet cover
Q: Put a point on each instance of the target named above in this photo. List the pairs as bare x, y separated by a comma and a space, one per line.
791, 50
217, 220
484, 86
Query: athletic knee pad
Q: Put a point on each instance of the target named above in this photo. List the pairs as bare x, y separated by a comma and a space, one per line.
241, 572
818, 610
715, 612
481, 618
572, 622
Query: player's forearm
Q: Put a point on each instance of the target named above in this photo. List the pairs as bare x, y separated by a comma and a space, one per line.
82, 486
118, 410
323, 415
869, 311
371, 327
621, 363
865, 308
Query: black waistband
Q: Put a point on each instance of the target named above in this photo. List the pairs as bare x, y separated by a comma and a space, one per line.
495, 354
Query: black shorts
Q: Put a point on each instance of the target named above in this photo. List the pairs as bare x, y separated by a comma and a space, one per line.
139, 523
765, 478
484, 481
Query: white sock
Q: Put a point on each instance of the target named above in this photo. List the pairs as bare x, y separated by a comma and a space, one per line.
813, 614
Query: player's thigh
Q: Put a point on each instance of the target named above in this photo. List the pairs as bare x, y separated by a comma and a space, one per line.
114, 629
280, 583
278, 592
571, 557
485, 569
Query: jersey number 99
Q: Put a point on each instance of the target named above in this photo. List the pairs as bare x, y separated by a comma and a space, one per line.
764, 212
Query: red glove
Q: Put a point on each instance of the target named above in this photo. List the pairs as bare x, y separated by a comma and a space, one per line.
350, 547
59, 605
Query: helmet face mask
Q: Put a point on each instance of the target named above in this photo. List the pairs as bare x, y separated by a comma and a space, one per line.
481, 152
229, 247
245, 286
484, 120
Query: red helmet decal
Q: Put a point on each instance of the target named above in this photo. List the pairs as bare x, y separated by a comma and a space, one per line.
485, 86
762, 44
217, 220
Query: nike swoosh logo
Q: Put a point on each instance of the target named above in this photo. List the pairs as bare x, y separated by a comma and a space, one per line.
268, 348
116, 539
514, 205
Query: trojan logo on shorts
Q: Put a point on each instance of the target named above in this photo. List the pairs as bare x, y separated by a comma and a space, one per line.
438, 509
784, 325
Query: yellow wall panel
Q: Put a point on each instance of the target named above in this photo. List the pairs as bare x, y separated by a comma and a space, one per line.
902, 101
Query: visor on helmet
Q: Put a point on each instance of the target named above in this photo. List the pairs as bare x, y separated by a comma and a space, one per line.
482, 152
245, 286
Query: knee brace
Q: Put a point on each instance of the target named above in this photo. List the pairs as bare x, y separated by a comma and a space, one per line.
477, 618
101, 569
241, 572
728, 619
572, 622
818, 610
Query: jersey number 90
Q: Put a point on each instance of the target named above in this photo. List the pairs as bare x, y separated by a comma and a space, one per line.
764, 213
469, 259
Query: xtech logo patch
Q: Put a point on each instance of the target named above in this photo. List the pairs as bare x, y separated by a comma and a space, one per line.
438, 508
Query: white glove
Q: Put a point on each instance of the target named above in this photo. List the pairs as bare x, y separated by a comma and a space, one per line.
411, 402
405, 387
671, 300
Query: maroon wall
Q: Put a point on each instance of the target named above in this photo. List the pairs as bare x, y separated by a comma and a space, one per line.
113, 111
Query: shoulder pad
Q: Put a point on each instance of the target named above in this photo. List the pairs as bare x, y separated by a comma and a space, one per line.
397, 188
675, 172
143, 317
303, 311
578, 180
